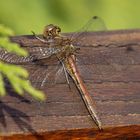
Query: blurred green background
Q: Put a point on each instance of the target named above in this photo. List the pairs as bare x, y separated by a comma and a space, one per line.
26, 15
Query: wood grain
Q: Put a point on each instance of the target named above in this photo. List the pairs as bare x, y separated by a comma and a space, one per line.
109, 63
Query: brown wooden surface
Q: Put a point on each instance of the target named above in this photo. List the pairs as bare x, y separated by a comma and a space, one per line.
115, 88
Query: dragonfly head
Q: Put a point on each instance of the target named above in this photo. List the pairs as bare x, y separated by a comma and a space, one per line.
51, 31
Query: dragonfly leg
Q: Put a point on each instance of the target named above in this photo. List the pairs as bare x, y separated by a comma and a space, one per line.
66, 74
40, 39
65, 71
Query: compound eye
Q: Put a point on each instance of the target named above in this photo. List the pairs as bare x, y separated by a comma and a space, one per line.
46, 32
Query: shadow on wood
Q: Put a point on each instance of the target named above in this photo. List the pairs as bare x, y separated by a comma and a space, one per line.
109, 63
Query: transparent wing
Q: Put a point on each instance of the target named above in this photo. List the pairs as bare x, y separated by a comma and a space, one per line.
94, 24
35, 53
43, 65
95, 55
42, 75
13, 58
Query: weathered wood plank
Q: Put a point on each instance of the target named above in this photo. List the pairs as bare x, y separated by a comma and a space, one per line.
121, 38
109, 63
102, 92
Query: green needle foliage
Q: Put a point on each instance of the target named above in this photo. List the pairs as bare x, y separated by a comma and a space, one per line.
16, 75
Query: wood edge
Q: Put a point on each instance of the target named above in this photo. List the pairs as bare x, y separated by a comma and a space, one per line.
126, 132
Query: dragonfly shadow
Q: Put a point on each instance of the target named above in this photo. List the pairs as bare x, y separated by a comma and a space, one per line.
21, 119
18, 116
12, 116
13, 94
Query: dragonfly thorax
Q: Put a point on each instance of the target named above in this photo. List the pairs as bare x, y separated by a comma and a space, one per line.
66, 51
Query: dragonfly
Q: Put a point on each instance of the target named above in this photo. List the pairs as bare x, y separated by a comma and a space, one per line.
61, 48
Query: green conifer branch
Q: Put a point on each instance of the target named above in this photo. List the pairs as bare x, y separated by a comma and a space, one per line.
16, 75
